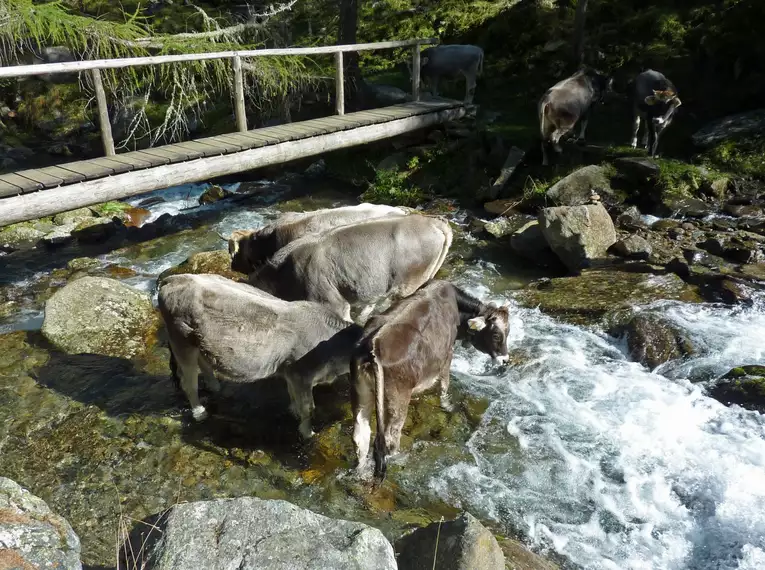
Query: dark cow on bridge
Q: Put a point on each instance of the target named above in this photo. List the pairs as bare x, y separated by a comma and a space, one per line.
249, 249
244, 334
450, 62
655, 101
358, 264
568, 102
407, 350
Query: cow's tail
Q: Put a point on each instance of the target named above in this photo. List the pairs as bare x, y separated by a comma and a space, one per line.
480, 64
542, 118
380, 452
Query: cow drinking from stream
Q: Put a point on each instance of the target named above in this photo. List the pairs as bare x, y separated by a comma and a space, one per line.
244, 334
655, 101
568, 102
407, 350
250, 249
359, 264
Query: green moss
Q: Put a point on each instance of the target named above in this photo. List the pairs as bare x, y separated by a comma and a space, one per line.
394, 188
744, 156
110, 208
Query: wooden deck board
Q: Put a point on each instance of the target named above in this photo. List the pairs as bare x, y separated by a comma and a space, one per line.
8, 189
87, 169
75, 172
41, 177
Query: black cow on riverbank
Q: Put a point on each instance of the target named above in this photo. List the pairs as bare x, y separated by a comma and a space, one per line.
655, 101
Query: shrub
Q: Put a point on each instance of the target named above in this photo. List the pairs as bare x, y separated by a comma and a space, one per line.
393, 188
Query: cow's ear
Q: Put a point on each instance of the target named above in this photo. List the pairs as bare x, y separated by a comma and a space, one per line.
651, 100
477, 323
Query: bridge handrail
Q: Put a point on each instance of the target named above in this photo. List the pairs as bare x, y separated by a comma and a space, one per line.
118, 63
96, 65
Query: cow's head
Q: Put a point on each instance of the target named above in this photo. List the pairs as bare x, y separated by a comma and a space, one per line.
239, 250
488, 331
668, 99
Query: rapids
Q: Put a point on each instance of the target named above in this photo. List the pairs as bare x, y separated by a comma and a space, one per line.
580, 451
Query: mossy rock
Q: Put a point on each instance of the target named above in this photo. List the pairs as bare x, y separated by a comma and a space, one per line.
215, 262
653, 340
743, 386
100, 316
72, 217
591, 296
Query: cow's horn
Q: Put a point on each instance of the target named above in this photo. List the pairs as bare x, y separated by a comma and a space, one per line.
224, 238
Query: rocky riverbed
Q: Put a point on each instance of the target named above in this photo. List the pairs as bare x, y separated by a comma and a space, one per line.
601, 446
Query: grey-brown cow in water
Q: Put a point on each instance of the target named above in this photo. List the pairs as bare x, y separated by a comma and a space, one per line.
407, 350
568, 102
250, 249
244, 334
359, 264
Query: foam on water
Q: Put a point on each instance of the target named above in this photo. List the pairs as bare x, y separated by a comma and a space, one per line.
609, 464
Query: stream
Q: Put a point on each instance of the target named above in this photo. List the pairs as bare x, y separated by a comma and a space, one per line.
573, 448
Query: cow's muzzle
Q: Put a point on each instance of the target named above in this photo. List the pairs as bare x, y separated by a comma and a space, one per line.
502, 359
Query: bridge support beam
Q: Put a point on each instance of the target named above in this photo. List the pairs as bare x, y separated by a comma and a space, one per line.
82, 194
239, 110
103, 113
339, 84
416, 72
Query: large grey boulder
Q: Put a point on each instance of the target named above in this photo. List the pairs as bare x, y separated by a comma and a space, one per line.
529, 242
751, 122
463, 544
254, 534
33, 536
99, 316
576, 188
578, 234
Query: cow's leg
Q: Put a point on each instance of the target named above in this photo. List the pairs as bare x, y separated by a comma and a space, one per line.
648, 125
362, 400
434, 85
301, 402
635, 130
583, 127
209, 375
545, 159
443, 378
396, 408
470, 83
187, 363
650, 143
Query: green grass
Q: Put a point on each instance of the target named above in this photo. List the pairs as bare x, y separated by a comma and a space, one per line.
744, 156
394, 188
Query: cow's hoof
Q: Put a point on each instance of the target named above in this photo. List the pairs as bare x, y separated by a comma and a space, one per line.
199, 413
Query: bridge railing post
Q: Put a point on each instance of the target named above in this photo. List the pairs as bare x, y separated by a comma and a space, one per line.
239, 111
339, 84
103, 113
416, 72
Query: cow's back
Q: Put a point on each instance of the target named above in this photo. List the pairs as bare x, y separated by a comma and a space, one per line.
244, 332
372, 259
569, 98
451, 59
415, 336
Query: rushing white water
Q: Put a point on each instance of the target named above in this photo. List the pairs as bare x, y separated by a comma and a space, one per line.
583, 451
609, 464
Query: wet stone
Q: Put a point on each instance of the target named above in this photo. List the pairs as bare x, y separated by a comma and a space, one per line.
743, 386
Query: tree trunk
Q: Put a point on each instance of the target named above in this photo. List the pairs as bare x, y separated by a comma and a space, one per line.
579, 26
349, 20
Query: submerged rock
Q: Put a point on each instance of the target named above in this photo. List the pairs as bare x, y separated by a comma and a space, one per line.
461, 544
31, 535
589, 297
653, 340
576, 188
249, 534
744, 386
578, 234
99, 316
213, 194
217, 262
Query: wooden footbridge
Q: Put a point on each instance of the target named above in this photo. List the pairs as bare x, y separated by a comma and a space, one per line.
30, 194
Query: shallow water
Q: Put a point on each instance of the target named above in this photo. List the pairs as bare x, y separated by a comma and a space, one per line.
580, 451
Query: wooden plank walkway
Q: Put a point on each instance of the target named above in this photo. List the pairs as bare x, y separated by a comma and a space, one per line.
34, 180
